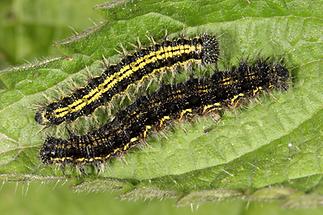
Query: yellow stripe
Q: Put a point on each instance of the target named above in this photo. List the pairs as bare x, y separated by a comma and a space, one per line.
255, 91
147, 128
184, 112
127, 71
235, 98
208, 108
163, 120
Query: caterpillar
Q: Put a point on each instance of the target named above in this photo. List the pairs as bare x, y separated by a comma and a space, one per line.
130, 70
170, 102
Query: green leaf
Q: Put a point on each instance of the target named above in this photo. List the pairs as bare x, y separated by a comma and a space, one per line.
272, 149
29, 27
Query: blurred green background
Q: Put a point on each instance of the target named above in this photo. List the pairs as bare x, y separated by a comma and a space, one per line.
29, 27
28, 30
59, 199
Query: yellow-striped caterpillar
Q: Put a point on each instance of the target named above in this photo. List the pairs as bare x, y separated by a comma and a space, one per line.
169, 102
130, 70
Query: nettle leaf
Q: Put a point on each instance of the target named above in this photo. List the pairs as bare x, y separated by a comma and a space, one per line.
271, 149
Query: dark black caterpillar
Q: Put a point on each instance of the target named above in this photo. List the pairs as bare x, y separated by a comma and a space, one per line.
131, 70
195, 96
